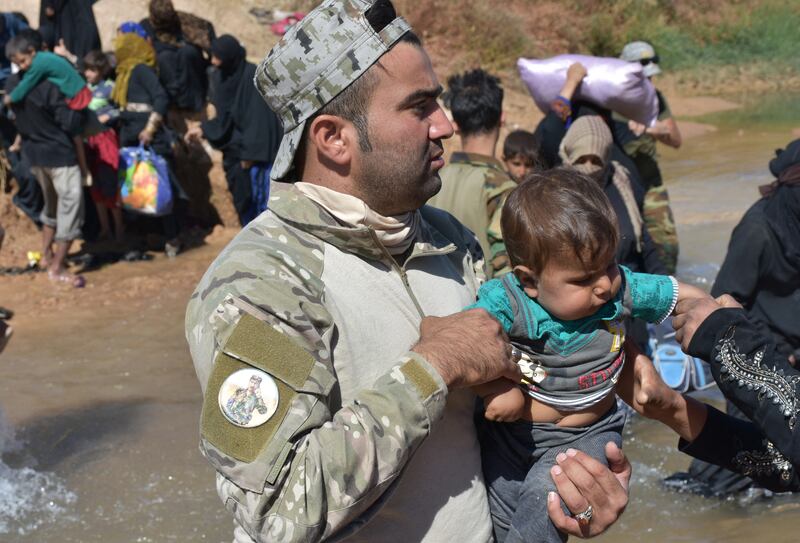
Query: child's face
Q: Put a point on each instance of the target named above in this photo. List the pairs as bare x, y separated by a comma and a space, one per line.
568, 291
23, 60
518, 167
92, 76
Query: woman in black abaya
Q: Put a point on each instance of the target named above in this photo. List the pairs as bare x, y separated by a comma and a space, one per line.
246, 131
72, 21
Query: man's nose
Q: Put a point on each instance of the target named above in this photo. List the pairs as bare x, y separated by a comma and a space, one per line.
441, 127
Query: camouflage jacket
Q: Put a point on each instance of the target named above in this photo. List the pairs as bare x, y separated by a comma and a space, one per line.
325, 312
474, 189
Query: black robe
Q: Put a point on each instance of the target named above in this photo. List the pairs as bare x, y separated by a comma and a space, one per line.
245, 128
763, 276
182, 71
73, 22
761, 383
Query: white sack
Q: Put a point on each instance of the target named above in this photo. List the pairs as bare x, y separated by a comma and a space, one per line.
611, 83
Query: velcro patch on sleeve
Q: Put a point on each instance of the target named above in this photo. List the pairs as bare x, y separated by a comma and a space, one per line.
420, 378
236, 440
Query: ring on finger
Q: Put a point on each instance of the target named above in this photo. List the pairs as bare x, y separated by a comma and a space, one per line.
585, 517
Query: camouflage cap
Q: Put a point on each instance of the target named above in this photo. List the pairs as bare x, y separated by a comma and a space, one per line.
317, 59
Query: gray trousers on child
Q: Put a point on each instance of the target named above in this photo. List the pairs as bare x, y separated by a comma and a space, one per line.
517, 457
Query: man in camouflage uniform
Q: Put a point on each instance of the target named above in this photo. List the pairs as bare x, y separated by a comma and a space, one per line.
475, 184
639, 143
335, 297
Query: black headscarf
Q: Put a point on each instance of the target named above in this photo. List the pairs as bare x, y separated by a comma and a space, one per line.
782, 209
228, 49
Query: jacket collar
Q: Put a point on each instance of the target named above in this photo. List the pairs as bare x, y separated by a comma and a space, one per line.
460, 157
296, 209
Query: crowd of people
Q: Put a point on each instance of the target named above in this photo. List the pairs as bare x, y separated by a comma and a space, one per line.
450, 371
393, 345
70, 107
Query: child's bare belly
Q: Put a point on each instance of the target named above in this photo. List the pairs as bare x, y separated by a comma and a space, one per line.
536, 411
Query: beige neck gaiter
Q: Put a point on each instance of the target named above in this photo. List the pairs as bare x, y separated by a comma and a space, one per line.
396, 233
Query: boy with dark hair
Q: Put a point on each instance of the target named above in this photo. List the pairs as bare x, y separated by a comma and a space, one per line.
40, 65
521, 154
564, 308
475, 184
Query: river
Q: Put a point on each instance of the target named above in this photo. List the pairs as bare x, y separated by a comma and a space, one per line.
100, 403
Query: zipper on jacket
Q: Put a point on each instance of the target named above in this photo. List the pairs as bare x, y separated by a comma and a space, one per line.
399, 270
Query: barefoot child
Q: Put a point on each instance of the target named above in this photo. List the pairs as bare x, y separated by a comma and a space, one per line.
40, 65
564, 307
103, 148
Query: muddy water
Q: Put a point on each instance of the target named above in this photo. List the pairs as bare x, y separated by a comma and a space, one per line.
100, 403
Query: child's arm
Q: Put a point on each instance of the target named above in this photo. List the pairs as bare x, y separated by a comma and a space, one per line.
641, 387
503, 399
32, 77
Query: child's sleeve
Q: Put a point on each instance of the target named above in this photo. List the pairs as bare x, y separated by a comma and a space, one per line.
33, 76
653, 297
492, 297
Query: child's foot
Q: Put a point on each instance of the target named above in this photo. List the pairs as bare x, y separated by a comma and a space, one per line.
172, 248
5, 334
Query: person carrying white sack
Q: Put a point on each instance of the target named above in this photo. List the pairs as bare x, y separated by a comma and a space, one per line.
639, 142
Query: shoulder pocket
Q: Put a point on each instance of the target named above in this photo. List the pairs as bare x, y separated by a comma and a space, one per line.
247, 455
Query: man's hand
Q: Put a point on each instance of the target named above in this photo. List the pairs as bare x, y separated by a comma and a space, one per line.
581, 482
467, 348
690, 314
575, 74
637, 128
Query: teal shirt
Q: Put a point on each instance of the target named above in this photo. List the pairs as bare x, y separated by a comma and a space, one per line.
579, 356
54, 68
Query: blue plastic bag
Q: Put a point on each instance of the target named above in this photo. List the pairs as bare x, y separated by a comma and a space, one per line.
144, 181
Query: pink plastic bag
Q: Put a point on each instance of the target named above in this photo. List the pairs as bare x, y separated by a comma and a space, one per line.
611, 83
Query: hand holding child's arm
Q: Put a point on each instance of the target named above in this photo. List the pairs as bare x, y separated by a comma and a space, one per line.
503, 399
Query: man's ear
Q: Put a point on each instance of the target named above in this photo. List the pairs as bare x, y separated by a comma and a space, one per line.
455, 127
333, 138
502, 118
526, 278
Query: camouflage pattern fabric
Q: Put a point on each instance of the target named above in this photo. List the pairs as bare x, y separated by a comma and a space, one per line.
474, 190
661, 225
316, 60
326, 462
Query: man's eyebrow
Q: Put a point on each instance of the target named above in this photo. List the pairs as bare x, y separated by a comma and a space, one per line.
417, 96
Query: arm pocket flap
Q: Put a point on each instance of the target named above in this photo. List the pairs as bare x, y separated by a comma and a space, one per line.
258, 344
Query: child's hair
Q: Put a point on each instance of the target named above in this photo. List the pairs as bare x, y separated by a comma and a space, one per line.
521, 143
21, 44
98, 61
558, 213
476, 101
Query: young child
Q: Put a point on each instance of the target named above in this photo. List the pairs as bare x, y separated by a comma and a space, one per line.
521, 154
40, 65
564, 307
103, 148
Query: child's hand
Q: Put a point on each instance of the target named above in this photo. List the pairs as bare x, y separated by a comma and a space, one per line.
641, 387
503, 399
687, 292
7, 100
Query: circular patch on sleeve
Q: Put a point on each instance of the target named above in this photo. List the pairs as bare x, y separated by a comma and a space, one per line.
248, 398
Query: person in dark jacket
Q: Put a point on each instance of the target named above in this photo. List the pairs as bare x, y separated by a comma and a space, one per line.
143, 106
762, 267
181, 64
245, 129
47, 126
762, 272
72, 21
